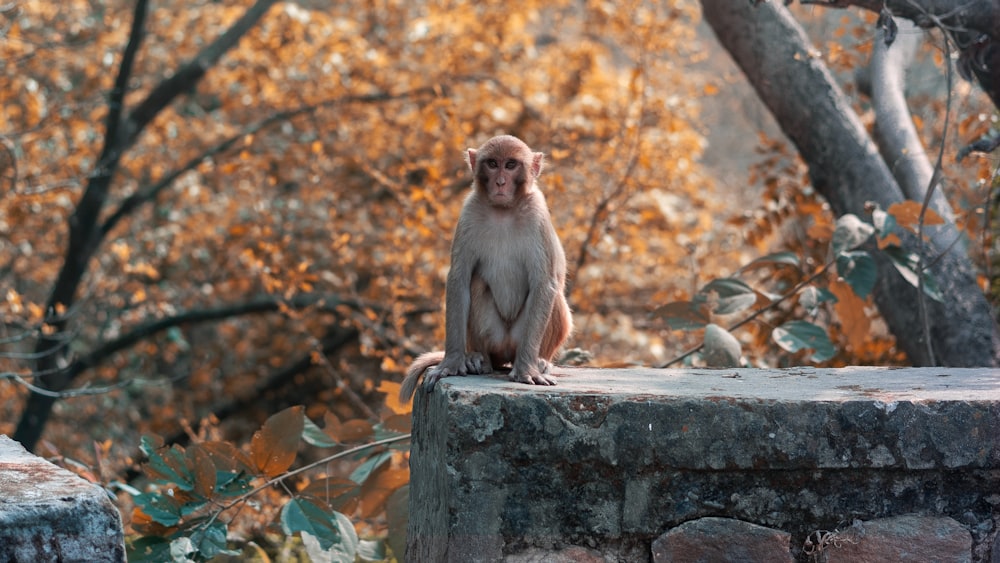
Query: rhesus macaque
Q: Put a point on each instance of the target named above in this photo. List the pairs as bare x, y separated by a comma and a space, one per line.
504, 299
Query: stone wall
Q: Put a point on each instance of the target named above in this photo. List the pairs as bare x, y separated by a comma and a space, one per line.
48, 514
853, 464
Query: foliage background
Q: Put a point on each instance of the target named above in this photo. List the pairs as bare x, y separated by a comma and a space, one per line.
346, 178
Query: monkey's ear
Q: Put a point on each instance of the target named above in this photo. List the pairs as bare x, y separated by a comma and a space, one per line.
537, 163
471, 159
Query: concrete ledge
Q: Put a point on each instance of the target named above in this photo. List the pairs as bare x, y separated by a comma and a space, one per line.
50, 514
612, 459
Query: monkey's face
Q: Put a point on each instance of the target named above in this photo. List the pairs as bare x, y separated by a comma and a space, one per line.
504, 177
505, 170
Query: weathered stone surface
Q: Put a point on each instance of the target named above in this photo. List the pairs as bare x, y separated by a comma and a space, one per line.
903, 539
722, 540
611, 459
49, 514
573, 554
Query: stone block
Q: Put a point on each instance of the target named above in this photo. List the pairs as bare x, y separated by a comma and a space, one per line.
903, 539
611, 459
49, 514
722, 540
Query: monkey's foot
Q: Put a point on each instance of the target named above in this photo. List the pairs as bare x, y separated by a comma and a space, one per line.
473, 362
532, 377
477, 364
444, 369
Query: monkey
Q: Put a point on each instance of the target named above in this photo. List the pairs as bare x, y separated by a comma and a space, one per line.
504, 295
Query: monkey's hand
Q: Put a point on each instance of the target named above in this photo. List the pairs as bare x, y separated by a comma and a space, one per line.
536, 373
473, 362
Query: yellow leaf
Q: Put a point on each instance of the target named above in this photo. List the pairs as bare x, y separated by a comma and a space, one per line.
850, 308
392, 402
907, 214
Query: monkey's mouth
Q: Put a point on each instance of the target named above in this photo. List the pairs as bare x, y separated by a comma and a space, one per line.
501, 196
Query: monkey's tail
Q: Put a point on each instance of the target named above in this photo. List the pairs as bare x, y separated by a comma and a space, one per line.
416, 369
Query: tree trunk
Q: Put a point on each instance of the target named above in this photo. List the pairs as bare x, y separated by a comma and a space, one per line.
846, 168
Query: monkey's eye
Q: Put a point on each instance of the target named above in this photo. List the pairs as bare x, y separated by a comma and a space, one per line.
510, 165
491, 163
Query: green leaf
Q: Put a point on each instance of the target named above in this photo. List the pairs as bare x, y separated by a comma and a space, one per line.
850, 233
906, 264
343, 552
230, 484
211, 541
858, 270
682, 315
303, 515
314, 435
167, 465
800, 335
776, 259
371, 464
148, 549
161, 507
734, 295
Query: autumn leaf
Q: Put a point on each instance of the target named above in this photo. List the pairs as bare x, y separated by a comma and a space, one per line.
392, 402
203, 469
274, 446
377, 490
907, 214
850, 308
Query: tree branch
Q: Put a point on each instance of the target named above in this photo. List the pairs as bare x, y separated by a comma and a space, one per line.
265, 304
148, 193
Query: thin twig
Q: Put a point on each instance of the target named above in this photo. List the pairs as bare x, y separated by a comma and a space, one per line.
935, 179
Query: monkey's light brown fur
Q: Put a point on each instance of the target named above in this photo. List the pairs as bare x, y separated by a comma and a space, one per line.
504, 298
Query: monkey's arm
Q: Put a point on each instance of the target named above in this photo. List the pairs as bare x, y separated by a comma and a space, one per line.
457, 359
544, 276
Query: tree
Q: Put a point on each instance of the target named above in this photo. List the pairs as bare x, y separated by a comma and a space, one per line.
86, 229
847, 169
281, 213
